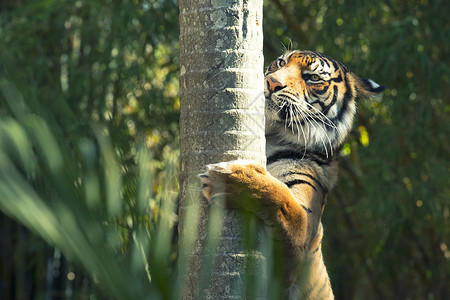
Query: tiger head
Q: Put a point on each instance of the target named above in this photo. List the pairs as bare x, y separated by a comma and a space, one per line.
311, 100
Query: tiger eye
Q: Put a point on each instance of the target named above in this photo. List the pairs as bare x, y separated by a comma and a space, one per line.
314, 77
281, 63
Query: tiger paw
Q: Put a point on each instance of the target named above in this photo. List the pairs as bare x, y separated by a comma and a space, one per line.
229, 178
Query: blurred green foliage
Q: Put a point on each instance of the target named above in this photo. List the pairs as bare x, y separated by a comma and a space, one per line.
89, 147
89, 113
387, 223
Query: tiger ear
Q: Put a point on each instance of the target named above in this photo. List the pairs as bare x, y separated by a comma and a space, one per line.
367, 88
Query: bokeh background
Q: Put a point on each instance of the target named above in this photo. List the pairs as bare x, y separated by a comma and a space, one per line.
89, 145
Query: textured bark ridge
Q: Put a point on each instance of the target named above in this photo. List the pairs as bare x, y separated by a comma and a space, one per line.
222, 119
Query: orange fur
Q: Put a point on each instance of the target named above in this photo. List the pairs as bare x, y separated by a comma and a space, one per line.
249, 186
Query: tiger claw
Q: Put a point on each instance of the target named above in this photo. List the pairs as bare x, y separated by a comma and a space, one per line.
213, 179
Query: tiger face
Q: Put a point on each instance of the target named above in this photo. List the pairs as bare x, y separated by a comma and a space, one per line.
311, 100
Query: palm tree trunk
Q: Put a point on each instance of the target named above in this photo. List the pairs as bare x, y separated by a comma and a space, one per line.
222, 119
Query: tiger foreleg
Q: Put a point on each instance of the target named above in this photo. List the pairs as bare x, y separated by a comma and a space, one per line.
247, 185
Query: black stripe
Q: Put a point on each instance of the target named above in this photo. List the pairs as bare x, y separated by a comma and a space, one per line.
268, 135
322, 91
335, 65
320, 158
325, 190
379, 89
308, 210
318, 247
318, 231
286, 154
319, 54
371, 88
299, 181
333, 101
322, 105
337, 79
347, 97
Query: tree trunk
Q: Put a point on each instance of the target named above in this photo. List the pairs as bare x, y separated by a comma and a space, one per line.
222, 119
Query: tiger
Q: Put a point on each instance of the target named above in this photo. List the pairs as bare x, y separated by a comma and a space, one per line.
310, 104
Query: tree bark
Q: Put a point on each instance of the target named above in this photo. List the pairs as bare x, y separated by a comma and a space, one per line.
222, 119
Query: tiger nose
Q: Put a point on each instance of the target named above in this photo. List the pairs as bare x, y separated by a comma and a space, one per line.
274, 85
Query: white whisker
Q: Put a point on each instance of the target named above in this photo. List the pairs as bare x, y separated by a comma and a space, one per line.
309, 118
299, 111
326, 134
322, 115
298, 123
